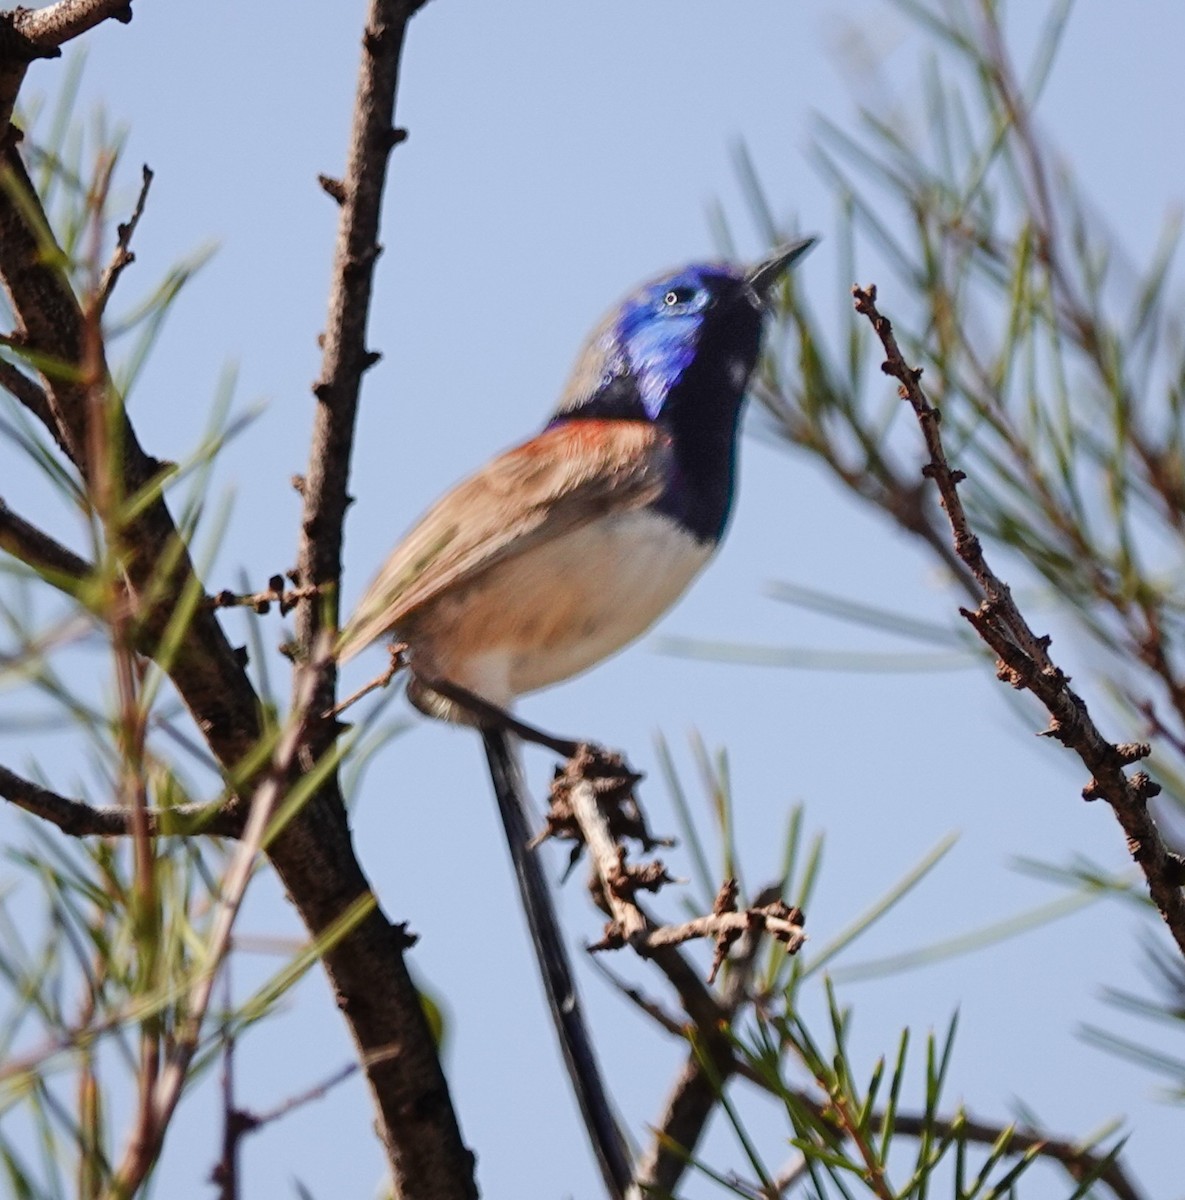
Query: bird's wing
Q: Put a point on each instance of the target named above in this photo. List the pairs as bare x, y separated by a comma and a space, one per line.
562, 479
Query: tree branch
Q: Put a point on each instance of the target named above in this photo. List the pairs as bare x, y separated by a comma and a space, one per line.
1024, 662
689, 1107
78, 819
32, 396
122, 257
37, 550
205, 669
28, 34
314, 855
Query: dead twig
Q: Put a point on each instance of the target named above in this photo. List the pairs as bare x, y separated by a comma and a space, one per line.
238, 1122
592, 802
397, 664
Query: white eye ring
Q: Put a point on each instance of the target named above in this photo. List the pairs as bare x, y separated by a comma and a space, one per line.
671, 299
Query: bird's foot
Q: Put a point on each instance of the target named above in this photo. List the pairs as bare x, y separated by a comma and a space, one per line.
493, 716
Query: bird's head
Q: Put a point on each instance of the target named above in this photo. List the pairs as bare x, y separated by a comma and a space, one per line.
692, 330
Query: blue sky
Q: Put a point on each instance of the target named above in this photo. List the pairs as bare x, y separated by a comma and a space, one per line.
558, 155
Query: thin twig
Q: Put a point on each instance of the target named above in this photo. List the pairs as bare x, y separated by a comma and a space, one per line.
1024, 662
261, 602
381, 680
225, 1174
237, 1122
122, 257
31, 394
777, 920
36, 549
78, 819
317, 1092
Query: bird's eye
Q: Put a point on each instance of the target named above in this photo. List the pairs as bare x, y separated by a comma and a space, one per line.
678, 296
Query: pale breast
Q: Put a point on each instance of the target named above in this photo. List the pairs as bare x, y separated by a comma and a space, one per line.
557, 609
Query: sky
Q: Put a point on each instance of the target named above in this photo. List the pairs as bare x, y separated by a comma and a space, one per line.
558, 155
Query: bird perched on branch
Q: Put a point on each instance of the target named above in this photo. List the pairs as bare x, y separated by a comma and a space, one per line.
563, 550
566, 548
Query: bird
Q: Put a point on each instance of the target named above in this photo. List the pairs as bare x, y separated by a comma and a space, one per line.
568, 547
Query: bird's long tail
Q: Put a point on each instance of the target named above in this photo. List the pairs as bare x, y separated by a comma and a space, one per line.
552, 956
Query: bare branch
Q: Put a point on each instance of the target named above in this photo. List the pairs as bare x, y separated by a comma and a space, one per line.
122, 257
30, 393
314, 855
345, 356
777, 919
28, 34
1024, 662
48, 557
261, 602
78, 819
689, 1107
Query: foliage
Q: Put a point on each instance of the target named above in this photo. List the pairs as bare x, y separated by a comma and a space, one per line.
1059, 376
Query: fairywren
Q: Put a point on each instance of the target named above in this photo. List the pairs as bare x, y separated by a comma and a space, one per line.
567, 547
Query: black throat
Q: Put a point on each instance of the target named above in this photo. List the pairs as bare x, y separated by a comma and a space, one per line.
702, 414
